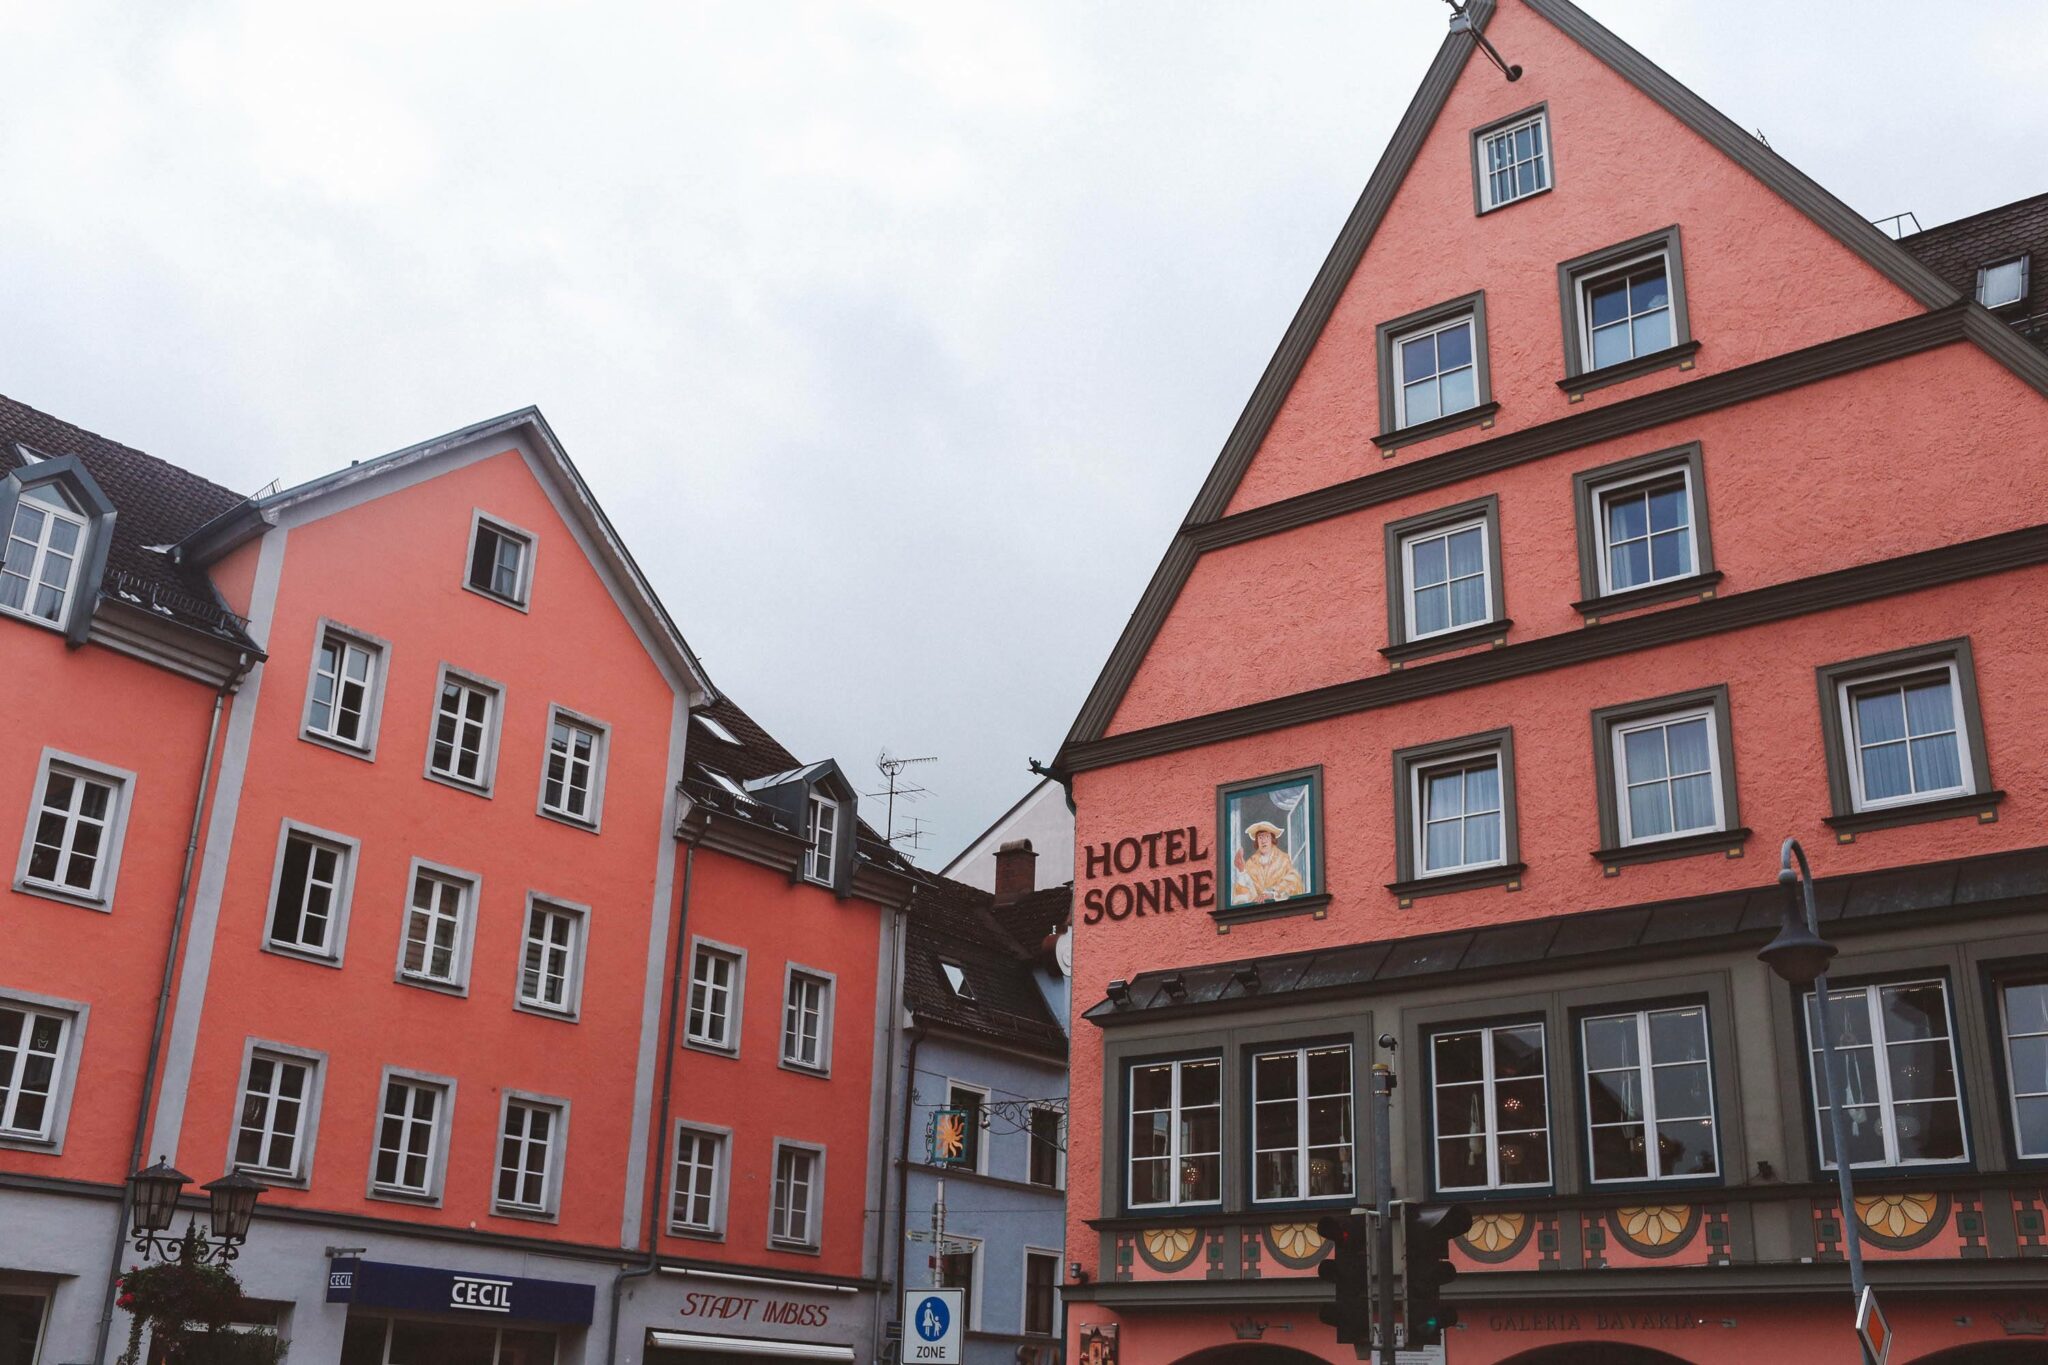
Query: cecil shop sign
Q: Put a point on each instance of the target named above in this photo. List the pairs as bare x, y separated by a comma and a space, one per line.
430, 1289
1157, 875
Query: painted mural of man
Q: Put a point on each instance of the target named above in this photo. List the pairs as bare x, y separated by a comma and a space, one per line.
1269, 873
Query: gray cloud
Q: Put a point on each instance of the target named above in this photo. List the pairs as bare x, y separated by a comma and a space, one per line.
962, 298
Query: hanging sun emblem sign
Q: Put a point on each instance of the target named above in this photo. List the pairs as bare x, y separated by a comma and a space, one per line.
946, 1137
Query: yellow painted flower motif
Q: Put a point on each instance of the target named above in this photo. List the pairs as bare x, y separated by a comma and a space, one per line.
1896, 1215
949, 1135
1170, 1245
1653, 1226
1495, 1231
1298, 1240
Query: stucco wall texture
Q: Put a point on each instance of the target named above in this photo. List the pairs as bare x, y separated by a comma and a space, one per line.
1780, 775
780, 923
1800, 483
1761, 279
68, 952
360, 1016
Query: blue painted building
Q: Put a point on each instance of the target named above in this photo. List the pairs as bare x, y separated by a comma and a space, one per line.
981, 1098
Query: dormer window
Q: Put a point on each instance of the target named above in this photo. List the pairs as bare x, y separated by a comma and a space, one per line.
824, 835
2002, 284
956, 979
44, 541
54, 528
500, 561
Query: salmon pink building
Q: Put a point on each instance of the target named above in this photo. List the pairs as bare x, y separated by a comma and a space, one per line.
1618, 504
384, 841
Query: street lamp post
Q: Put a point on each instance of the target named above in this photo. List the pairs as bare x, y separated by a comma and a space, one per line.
231, 1204
1800, 956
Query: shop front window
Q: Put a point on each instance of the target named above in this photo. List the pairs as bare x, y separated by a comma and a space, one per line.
371, 1340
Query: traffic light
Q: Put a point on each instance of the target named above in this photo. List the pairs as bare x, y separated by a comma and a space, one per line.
1426, 1267
1349, 1268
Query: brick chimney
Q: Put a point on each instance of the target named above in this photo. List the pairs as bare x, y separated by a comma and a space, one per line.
1016, 871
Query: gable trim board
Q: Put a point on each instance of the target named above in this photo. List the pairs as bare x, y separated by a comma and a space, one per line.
1878, 579
1828, 213
552, 468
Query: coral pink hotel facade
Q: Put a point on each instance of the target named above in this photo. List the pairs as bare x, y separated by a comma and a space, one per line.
1618, 504
485, 933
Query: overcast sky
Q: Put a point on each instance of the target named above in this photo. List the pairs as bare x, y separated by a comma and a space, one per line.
895, 338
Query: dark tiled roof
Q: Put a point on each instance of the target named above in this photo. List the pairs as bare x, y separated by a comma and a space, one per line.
1983, 884
155, 503
1033, 916
754, 753
952, 921
1956, 251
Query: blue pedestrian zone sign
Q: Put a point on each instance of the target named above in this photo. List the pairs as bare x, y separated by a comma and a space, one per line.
932, 1325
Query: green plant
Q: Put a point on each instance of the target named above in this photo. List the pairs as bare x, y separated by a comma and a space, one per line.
188, 1306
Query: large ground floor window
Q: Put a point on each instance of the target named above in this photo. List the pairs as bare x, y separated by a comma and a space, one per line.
372, 1340
22, 1315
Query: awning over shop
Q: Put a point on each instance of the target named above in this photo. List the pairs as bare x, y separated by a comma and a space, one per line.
758, 1347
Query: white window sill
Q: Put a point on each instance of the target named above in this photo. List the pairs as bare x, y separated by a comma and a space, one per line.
477, 789
64, 895
318, 959
562, 817
339, 746
570, 1015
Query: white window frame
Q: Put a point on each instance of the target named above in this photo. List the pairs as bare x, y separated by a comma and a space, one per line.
719, 1140
2025, 263
1603, 548
1887, 1118
1582, 294
281, 1054
1175, 1153
1646, 1074
1059, 1151
468, 888
1617, 739
41, 553
956, 980
1024, 1301
1301, 1147
821, 826
814, 1205
30, 1290
1852, 744
486, 780
577, 950
592, 818
2013, 1092
795, 976
1400, 376
1418, 785
442, 1124
523, 598
972, 1247
1540, 120
1409, 587
1492, 1135
555, 1155
330, 953
71, 1016
377, 651
727, 1043
100, 896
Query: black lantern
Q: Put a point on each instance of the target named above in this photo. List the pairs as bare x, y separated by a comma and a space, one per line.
155, 1191
154, 1194
233, 1206
1797, 954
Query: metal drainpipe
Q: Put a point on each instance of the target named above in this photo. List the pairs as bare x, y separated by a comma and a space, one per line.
901, 930
903, 1166
163, 1006
668, 1070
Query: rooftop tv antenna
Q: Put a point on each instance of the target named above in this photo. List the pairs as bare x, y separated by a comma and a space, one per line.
892, 768
1461, 22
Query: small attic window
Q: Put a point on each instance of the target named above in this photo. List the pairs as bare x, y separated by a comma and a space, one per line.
500, 561
732, 788
715, 730
956, 977
2002, 284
